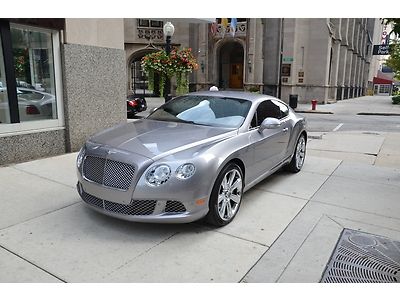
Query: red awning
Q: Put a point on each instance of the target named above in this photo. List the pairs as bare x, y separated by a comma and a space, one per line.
378, 80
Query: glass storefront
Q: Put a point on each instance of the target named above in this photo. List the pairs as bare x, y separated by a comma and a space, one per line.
34, 71
30, 61
4, 109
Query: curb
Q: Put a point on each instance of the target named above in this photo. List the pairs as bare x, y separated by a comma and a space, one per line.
314, 112
378, 114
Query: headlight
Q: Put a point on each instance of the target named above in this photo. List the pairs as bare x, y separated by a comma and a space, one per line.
185, 171
158, 175
80, 157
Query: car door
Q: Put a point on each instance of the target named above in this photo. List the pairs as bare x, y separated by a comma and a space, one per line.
270, 145
287, 128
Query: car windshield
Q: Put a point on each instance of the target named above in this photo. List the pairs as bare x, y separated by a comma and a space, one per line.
204, 110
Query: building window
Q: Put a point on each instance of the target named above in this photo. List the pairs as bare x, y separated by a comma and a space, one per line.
150, 23
34, 72
4, 109
384, 89
35, 60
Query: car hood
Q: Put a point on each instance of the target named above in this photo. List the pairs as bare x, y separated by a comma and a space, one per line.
157, 139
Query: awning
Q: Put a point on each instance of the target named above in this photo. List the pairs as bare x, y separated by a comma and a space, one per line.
378, 80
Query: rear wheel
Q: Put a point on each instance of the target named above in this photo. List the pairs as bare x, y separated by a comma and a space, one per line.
299, 156
226, 196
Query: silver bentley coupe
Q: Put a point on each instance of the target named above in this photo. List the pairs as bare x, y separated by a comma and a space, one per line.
191, 158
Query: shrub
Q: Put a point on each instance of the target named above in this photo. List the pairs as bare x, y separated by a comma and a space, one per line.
396, 99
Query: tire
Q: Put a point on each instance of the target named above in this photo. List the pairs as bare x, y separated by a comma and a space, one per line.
299, 155
226, 196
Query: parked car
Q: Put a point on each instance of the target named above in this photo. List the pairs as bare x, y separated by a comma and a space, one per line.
191, 158
32, 105
135, 105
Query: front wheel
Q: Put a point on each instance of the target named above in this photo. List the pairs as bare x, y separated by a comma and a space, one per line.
299, 156
226, 196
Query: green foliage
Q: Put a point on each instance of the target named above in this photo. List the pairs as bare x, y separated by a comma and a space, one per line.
396, 99
178, 63
395, 23
394, 60
254, 89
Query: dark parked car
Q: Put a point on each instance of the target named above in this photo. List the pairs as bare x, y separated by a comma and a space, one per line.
135, 105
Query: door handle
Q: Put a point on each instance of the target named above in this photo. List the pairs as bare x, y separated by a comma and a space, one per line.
285, 130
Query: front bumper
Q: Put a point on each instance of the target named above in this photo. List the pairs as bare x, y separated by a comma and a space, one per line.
148, 211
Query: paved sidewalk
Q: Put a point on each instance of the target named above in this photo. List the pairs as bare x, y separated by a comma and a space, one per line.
286, 229
354, 106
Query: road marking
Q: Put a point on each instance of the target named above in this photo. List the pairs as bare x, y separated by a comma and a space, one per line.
338, 127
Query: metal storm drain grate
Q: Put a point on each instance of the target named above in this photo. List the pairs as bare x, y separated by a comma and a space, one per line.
363, 257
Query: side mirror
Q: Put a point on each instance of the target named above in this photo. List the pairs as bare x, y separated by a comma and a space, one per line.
269, 123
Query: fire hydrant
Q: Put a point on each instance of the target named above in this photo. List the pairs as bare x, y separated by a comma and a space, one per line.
314, 104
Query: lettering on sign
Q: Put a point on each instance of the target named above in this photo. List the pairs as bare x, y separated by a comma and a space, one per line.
380, 50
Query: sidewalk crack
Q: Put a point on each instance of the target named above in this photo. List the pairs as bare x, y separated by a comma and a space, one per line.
29, 262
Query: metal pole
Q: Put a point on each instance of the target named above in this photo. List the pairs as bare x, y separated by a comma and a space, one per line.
280, 61
167, 86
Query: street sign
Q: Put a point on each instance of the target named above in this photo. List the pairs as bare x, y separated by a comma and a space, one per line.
287, 59
380, 50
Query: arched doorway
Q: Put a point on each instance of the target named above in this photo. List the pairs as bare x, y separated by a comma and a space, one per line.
231, 56
138, 83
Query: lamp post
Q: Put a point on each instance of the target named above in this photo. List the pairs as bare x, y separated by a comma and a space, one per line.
280, 58
168, 30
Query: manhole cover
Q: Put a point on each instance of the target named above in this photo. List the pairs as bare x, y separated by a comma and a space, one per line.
363, 257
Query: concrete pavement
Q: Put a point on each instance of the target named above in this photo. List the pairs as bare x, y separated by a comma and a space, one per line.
286, 229
362, 105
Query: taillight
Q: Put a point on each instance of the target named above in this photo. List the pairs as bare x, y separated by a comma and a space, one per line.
132, 103
32, 110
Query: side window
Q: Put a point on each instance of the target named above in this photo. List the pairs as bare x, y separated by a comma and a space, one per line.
254, 121
267, 109
282, 107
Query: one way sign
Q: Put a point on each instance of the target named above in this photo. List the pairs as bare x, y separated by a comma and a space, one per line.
380, 50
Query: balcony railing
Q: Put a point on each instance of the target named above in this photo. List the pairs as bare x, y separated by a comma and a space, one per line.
153, 34
241, 30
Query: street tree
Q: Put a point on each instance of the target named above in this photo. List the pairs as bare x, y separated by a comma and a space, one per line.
394, 49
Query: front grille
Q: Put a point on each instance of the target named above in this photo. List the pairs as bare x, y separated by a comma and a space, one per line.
93, 168
136, 208
363, 257
174, 207
107, 172
92, 200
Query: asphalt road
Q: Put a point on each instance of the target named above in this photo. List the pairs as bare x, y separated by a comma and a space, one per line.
325, 122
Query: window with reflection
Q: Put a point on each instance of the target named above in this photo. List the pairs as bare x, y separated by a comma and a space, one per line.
4, 108
34, 71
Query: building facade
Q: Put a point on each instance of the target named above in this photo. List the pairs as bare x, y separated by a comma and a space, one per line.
323, 59
62, 80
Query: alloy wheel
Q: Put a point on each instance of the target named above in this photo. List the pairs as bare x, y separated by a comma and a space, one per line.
300, 152
229, 195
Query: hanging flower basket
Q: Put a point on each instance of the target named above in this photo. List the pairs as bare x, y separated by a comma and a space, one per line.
178, 63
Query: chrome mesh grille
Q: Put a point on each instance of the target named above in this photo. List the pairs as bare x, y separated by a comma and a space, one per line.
118, 174
136, 208
92, 200
93, 168
107, 172
174, 207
